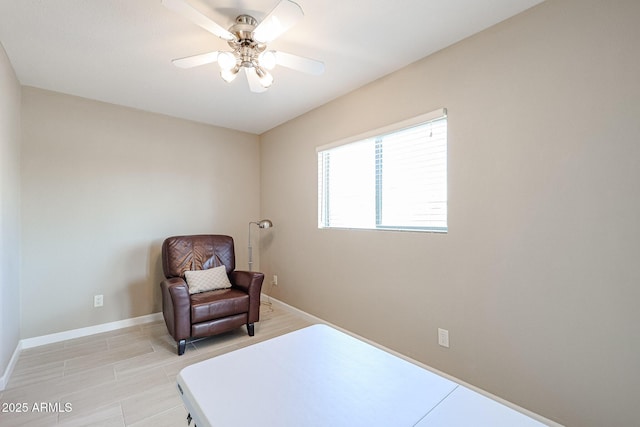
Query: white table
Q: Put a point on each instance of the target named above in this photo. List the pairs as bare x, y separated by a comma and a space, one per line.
318, 376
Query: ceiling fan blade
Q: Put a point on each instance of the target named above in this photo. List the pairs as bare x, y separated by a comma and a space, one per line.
196, 60
284, 16
254, 81
186, 10
300, 63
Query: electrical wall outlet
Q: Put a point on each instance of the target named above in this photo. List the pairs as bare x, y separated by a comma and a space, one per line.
98, 300
274, 280
443, 337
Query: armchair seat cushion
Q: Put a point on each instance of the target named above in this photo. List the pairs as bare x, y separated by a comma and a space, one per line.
216, 304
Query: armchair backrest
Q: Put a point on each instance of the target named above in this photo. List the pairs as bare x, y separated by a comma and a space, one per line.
198, 252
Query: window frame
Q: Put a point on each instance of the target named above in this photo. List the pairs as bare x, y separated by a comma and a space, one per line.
376, 135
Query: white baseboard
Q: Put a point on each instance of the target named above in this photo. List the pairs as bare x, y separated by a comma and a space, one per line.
89, 330
67, 335
314, 319
4, 379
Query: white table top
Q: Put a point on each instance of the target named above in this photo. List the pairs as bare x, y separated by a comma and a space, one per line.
318, 376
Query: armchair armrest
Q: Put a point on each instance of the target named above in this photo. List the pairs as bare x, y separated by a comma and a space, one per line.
250, 282
176, 307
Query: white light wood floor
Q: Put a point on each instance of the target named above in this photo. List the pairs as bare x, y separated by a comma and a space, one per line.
120, 378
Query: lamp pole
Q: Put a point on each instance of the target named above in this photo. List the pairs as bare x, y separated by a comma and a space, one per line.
263, 223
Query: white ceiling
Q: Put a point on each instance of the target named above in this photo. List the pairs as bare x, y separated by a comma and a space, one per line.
120, 51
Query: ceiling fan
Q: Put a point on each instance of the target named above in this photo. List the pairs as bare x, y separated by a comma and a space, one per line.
248, 41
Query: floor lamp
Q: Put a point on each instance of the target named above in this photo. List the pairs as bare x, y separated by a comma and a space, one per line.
263, 223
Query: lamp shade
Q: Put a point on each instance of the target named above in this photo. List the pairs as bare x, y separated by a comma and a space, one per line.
229, 75
226, 60
265, 223
267, 59
266, 79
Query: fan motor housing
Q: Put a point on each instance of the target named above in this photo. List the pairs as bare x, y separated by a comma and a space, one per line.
245, 48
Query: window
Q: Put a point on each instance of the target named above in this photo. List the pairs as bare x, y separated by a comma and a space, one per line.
393, 178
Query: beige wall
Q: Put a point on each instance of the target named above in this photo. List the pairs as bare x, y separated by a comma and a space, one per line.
102, 186
9, 213
538, 279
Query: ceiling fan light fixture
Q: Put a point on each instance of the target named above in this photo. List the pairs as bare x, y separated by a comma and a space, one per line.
226, 60
248, 41
267, 59
229, 75
266, 79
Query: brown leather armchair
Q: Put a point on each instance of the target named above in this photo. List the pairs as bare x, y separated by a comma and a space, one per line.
211, 312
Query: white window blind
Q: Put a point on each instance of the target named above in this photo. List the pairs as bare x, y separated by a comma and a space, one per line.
394, 178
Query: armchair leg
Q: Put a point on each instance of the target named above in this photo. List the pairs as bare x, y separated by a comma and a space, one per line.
182, 345
250, 329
